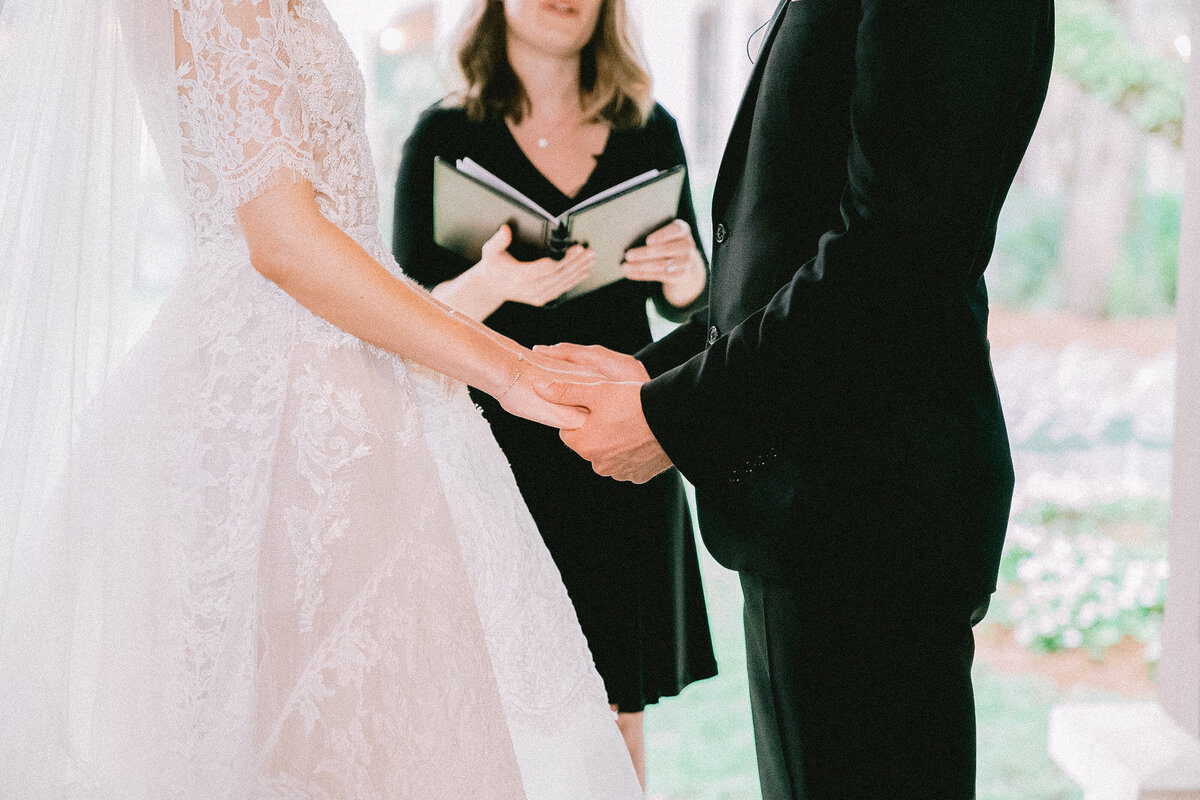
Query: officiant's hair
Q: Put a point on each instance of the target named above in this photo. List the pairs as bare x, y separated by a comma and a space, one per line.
612, 74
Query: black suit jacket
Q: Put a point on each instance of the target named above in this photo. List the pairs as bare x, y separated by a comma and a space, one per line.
837, 410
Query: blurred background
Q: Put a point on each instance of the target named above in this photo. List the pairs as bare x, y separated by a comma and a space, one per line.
1083, 289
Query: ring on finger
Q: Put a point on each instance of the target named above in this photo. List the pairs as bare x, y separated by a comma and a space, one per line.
671, 266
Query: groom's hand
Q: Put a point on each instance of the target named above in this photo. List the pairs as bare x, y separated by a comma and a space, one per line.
615, 438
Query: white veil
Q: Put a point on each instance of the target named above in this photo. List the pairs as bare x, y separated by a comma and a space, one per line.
70, 148
71, 143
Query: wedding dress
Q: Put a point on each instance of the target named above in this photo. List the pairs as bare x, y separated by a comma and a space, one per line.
284, 564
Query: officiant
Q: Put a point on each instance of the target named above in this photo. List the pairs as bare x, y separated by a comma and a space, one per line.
558, 105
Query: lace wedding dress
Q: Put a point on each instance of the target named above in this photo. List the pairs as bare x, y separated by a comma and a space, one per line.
285, 564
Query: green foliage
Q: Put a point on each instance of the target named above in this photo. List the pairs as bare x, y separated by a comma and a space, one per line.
1025, 272
1024, 267
1093, 50
1144, 280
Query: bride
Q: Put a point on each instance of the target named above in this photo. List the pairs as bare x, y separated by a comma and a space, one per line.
285, 558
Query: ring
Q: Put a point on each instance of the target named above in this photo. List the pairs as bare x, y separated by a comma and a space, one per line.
671, 265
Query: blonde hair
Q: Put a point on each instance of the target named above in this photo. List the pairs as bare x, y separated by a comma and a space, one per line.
613, 82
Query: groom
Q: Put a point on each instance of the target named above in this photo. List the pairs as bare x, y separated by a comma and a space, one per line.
837, 411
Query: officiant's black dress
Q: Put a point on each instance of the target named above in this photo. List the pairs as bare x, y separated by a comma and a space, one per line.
626, 552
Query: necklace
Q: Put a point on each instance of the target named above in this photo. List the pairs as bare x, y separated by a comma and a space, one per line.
543, 140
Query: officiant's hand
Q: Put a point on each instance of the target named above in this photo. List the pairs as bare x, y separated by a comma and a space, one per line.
594, 358
615, 437
671, 257
534, 283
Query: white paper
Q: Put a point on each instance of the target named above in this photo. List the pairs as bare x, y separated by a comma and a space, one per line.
613, 190
469, 167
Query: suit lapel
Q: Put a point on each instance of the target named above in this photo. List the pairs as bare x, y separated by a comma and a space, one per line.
735, 146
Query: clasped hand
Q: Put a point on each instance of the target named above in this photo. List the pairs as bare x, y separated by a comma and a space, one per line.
614, 435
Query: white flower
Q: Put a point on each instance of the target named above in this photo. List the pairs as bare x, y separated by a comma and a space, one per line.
1062, 552
1087, 615
1025, 536
1029, 570
1072, 637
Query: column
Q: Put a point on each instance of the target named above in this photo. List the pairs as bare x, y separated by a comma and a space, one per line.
1179, 672
1151, 751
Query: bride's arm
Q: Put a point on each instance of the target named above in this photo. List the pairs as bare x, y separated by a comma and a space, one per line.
292, 244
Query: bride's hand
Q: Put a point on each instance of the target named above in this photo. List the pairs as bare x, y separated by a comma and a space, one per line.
521, 400
564, 368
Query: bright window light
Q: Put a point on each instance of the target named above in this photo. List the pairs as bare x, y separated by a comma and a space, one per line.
1183, 44
393, 40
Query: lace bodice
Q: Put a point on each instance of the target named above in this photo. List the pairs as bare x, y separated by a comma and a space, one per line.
270, 93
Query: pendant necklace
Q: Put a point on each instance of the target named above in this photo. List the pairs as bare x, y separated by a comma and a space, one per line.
543, 141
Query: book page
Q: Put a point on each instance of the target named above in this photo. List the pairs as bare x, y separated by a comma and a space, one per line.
600, 197
611, 227
469, 167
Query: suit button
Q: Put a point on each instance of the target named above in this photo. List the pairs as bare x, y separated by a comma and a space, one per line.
721, 232
713, 334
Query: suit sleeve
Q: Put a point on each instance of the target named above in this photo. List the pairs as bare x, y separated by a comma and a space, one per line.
412, 233
675, 348
940, 112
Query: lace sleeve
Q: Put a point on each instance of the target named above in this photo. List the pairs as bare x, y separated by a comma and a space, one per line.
244, 126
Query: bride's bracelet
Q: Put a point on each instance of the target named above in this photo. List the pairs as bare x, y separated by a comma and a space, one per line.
517, 377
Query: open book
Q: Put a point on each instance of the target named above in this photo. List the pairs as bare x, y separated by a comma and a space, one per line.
470, 204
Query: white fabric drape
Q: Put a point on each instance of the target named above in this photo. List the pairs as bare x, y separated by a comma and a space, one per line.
70, 152
70, 148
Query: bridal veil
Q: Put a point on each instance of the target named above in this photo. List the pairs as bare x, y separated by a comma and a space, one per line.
70, 151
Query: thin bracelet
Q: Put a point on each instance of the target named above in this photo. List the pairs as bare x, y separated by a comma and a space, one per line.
517, 377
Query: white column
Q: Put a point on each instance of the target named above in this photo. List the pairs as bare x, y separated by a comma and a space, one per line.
1179, 672
1151, 751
